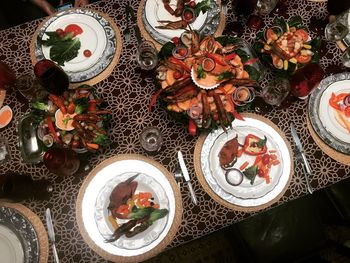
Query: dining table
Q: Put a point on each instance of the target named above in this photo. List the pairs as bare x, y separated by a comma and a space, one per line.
127, 91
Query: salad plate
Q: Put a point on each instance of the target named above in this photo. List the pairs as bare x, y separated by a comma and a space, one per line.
99, 220
247, 195
92, 46
260, 187
155, 11
18, 239
330, 123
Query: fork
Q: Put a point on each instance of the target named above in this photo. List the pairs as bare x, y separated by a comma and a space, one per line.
127, 30
178, 175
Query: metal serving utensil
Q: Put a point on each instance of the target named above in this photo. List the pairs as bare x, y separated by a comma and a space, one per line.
51, 234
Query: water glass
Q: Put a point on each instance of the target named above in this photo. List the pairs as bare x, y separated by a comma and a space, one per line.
243, 95
275, 92
30, 87
336, 31
346, 58
151, 139
146, 56
51, 76
5, 155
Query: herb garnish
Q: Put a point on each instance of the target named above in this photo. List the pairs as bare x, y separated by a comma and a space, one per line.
200, 72
251, 173
226, 75
261, 143
202, 6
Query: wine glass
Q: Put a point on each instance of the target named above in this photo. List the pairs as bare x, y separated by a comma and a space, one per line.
305, 79
151, 139
30, 88
146, 56
264, 7
336, 30
61, 161
51, 76
7, 76
275, 92
4, 151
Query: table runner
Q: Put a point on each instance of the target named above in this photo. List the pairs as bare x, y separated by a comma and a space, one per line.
128, 91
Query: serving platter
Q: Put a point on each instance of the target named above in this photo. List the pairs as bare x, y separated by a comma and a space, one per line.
323, 116
154, 11
93, 200
18, 238
251, 197
98, 36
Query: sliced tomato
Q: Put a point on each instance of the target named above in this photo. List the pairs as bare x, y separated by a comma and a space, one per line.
270, 34
302, 34
303, 59
74, 28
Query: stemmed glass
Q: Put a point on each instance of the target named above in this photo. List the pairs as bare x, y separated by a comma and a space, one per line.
51, 76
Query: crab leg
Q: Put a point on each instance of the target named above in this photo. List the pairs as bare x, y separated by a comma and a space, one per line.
206, 111
221, 110
186, 93
181, 24
172, 89
243, 82
167, 7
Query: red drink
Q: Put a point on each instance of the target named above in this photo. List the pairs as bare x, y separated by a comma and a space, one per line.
51, 76
305, 80
7, 76
61, 161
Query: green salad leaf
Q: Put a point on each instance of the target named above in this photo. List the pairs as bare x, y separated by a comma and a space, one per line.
63, 49
226, 75
251, 173
202, 7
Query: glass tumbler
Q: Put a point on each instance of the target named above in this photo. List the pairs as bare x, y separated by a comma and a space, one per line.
146, 55
338, 29
265, 7
275, 92
151, 139
4, 151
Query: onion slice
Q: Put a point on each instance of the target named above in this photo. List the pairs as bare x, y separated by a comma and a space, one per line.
234, 177
347, 100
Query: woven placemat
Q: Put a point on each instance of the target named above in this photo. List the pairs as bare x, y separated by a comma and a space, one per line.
207, 188
38, 227
148, 37
108, 70
172, 231
337, 156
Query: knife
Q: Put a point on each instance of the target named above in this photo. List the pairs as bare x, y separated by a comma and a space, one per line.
301, 157
187, 177
51, 234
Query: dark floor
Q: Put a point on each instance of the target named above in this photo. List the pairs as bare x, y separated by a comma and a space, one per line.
314, 228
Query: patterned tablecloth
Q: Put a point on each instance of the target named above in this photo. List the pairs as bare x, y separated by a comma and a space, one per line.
128, 91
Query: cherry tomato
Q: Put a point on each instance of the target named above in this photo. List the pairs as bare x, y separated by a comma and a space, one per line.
302, 34
73, 28
182, 52
188, 16
177, 74
87, 53
60, 32
303, 59
176, 40
192, 4
265, 159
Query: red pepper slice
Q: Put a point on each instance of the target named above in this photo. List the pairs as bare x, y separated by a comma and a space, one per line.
250, 61
154, 99
192, 127
238, 116
180, 63
52, 129
253, 145
334, 102
230, 56
213, 57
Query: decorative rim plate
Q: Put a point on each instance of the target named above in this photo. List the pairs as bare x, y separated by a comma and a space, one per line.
18, 239
249, 198
245, 190
154, 10
146, 183
321, 114
96, 185
98, 36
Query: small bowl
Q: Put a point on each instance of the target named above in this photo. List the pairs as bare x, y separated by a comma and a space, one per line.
200, 85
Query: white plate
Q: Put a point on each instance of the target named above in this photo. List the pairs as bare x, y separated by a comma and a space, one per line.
328, 114
280, 176
154, 11
11, 249
98, 36
114, 172
245, 190
146, 183
322, 116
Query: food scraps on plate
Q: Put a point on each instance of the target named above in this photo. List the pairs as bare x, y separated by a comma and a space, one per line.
253, 146
140, 209
341, 104
287, 45
75, 120
198, 77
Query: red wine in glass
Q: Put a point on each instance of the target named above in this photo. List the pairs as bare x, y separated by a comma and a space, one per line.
7, 76
305, 79
51, 76
61, 161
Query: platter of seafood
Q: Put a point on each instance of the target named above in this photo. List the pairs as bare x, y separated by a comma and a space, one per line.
75, 119
329, 111
129, 206
165, 19
248, 165
206, 80
287, 46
